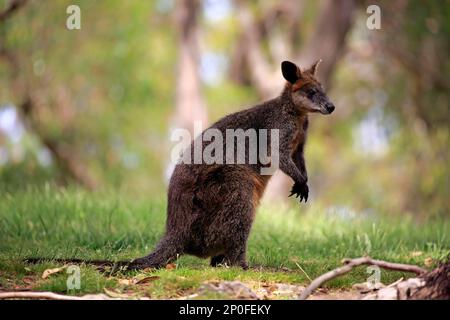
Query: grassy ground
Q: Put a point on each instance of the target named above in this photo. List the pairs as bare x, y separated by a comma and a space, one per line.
286, 246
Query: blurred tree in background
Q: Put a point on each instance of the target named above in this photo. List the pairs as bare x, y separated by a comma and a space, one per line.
95, 106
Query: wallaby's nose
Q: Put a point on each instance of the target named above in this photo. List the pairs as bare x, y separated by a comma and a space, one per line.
330, 107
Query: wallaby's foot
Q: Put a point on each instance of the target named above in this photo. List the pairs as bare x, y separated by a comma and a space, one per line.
244, 265
223, 260
217, 260
238, 258
300, 190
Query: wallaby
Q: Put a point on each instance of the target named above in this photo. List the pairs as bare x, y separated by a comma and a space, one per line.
211, 207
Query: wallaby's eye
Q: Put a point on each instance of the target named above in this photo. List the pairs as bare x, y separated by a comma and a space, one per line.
311, 92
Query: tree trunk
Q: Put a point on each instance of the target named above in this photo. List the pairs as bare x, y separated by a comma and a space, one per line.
328, 40
189, 104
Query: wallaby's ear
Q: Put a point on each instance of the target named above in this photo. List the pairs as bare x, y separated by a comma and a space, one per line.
290, 71
313, 68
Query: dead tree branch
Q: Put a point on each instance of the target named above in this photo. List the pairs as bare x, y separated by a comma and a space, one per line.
51, 296
37, 295
388, 265
350, 264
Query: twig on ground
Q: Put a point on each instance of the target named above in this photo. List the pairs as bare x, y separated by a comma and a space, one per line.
349, 264
300, 267
388, 265
37, 295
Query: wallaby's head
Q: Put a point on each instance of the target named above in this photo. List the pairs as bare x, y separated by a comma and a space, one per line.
306, 91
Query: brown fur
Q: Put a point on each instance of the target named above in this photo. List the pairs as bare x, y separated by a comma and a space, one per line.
211, 207
259, 186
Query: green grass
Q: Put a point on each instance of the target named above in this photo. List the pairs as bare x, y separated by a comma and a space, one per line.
286, 245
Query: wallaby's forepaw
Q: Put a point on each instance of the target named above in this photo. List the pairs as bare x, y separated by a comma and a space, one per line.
300, 190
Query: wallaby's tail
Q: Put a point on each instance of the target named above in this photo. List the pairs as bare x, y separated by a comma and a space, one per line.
165, 252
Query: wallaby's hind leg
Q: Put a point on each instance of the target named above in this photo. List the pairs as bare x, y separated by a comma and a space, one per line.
233, 230
236, 256
239, 230
166, 251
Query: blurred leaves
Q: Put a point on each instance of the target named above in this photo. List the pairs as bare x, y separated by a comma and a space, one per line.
107, 91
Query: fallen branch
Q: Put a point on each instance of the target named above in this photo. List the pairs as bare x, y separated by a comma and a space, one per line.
110, 295
37, 295
388, 265
350, 264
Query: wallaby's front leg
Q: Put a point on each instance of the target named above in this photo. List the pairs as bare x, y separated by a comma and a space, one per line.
287, 165
299, 161
300, 187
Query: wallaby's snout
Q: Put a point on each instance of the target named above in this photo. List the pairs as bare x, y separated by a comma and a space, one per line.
329, 107
321, 102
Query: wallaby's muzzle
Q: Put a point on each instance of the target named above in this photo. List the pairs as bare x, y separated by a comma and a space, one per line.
326, 108
329, 107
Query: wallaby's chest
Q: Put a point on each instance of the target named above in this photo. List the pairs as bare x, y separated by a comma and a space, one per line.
300, 133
